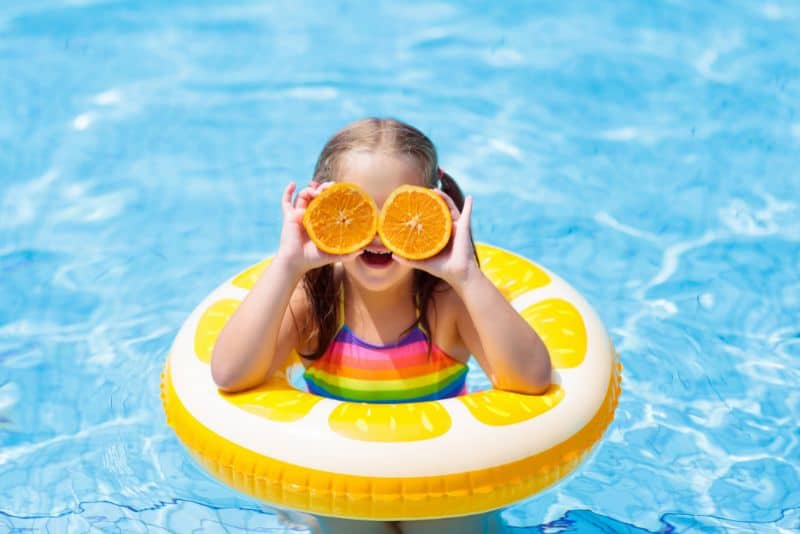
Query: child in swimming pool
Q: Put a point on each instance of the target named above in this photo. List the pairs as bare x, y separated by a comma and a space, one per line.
332, 308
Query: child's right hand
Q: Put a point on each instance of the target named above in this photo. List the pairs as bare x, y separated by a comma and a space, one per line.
296, 248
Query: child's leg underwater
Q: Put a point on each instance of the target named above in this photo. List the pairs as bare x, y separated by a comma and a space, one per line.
334, 525
297, 520
488, 523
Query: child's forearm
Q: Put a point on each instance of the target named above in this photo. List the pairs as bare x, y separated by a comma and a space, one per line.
244, 351
517, 357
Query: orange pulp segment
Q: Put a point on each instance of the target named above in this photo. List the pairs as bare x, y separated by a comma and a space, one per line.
415, 222
342, 219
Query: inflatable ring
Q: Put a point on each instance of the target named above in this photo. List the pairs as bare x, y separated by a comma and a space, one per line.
452, 457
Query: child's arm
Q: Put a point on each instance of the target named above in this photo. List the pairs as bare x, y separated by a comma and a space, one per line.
508, 349
264, 329
262, 332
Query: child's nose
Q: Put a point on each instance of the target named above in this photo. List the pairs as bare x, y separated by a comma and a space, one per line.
377, 245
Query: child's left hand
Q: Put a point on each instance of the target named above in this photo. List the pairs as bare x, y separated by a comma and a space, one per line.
456, 262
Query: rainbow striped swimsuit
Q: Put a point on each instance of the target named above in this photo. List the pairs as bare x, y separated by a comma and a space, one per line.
353, 370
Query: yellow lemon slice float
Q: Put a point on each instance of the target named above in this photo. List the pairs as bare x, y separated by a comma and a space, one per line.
446, 458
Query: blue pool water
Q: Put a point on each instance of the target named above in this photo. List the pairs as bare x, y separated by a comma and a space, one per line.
646, 151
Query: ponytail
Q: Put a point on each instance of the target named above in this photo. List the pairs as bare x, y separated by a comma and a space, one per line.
449, 186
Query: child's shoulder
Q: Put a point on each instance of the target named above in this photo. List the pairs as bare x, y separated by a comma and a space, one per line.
445, 297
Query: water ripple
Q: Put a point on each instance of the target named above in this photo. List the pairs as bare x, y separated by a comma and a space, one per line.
646, 152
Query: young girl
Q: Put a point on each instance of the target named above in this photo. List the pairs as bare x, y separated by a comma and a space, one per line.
331, 309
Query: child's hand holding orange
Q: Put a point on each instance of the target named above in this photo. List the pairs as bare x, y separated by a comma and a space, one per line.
455, 262
296, 247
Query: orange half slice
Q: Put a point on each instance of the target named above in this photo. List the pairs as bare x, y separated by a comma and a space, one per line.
415, 222
342, 219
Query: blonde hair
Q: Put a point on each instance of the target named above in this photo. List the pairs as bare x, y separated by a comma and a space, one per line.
378, 135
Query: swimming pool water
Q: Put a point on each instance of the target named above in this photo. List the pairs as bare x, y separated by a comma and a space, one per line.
645, 151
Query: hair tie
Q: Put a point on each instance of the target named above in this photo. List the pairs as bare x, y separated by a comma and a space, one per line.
440, 172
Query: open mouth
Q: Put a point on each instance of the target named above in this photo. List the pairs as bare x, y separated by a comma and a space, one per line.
376, 259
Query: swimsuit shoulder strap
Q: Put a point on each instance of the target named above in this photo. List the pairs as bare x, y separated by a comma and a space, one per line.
340, 314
